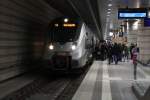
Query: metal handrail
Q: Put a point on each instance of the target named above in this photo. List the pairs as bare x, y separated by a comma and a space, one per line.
146, 95
135, 67
144, 64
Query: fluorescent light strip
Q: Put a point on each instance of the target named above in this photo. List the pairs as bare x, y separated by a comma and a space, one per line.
109, 5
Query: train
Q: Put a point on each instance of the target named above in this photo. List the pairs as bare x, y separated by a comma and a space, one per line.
69, 44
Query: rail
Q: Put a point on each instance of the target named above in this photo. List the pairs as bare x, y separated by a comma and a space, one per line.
144, 64
136, 65
141, 86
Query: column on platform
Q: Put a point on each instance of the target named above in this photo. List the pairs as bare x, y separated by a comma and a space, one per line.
132, 30
143, 41
132, 36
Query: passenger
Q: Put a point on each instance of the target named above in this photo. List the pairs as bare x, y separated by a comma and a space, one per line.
109, 53
106, 46
131, 47
134, 58
126, 53
103, 50
135, 53
120, 50
123, 52
115, 51
97, 50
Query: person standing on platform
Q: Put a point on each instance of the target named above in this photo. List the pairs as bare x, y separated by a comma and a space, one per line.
134, 58
115, 51
126, 53
103, 51
109, 53
123, 52
131, 47
120, 49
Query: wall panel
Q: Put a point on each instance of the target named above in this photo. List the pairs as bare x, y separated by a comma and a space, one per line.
23, 25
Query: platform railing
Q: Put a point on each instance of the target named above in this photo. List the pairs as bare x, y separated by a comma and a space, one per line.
144, 64
141, 86
140, 64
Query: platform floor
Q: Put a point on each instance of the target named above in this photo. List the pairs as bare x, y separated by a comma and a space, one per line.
102, 82
109, 82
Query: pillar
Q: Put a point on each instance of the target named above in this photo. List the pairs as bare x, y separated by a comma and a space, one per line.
143, 42
131, 32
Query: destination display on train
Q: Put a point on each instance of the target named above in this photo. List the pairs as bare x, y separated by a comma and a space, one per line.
69, 25
65, 25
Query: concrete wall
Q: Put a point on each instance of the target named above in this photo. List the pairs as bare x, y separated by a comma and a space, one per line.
143, 41
132, 37
132, 32
141, 37
23, 25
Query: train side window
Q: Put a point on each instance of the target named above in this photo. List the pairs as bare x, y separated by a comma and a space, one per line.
87, 43
86, 34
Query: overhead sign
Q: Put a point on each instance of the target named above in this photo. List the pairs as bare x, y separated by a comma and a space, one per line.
132, 13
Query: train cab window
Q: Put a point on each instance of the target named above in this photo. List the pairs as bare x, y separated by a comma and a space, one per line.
63, 34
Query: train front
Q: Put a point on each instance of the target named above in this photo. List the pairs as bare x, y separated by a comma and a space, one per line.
62, 51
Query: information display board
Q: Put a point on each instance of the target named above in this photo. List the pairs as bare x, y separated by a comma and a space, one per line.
132, 13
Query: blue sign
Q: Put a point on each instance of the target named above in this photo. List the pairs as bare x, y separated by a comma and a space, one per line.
132, 13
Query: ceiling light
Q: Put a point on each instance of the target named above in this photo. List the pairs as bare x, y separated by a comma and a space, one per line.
108, 12
109, 5
109, 9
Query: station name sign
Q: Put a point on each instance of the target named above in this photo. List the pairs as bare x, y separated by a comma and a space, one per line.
132, 13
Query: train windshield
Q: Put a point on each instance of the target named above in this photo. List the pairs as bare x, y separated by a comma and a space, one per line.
65, 33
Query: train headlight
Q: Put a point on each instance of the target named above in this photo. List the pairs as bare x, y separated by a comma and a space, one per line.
66, 20
51, 47
73, 47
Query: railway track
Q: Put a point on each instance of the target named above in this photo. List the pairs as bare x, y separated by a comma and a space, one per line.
49, 87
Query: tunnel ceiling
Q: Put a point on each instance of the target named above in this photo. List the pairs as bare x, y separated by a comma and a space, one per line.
79, 8
94, 12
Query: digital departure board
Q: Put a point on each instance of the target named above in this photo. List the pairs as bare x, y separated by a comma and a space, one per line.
132, 13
